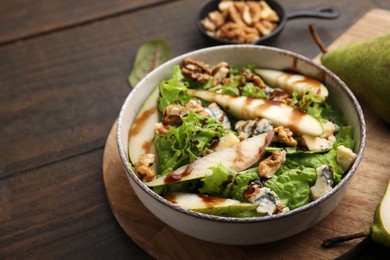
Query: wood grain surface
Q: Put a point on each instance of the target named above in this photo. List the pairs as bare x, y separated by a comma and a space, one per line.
354, 214
61, 92
64, 66
47, 15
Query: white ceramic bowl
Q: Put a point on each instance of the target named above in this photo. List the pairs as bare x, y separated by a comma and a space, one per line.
242, 231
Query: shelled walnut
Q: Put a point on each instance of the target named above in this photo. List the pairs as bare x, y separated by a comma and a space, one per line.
196, 70
143, 167
241, 21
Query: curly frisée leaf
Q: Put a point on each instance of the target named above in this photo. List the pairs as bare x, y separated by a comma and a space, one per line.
183, 144
172, 91
149, 56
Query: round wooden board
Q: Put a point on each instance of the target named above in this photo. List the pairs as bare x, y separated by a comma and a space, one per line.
354, 214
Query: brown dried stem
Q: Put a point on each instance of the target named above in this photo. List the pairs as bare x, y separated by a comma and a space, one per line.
317, 38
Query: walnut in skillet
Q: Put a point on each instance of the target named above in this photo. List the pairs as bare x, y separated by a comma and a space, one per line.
241, 21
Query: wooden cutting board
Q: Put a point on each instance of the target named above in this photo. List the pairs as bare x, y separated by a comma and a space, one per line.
354, 214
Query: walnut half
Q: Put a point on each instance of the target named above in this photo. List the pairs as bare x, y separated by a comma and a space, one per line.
285, 135
144, 171
172, 115
196, 70
268, 167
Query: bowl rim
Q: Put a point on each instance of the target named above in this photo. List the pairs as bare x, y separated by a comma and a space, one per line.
350, 173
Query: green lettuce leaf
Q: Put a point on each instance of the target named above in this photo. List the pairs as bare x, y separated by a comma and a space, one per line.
190, 186
293, 186
232, 88
251, 90
345, 137
227, 183
172, 91
300, 161
183, 144
332, 115
237, 85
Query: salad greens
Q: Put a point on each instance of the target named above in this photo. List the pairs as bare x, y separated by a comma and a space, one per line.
296, 165
173, 90
227, 183
183, 144
293, 186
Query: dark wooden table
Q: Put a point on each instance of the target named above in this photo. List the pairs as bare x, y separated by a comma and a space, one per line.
63, 78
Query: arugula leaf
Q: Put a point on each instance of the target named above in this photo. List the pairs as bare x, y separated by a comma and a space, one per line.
149, 56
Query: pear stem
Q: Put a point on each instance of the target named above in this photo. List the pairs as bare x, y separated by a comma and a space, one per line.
331, 242
317, 38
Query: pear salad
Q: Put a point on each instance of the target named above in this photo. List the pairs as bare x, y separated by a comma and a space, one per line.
239, 142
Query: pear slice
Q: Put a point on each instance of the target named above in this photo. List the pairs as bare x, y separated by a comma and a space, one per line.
380, 229
293, 82
280, 114
237, 157
209, 204
142, 130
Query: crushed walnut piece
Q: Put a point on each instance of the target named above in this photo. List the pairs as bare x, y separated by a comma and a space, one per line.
143, 168
220, 72
254, 78
196, 70
214, 20
281, 96
161, 129
172, 113
285, 135
241, 21
237, 32
193, 105
269, 166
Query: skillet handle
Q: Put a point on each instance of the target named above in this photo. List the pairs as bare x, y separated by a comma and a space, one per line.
322, 12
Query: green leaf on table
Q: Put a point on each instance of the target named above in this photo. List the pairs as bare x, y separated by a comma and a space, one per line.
149, 56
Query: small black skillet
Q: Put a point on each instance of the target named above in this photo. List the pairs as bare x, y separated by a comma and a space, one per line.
321, 12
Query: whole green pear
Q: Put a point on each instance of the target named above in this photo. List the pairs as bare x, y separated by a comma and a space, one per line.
365, 67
